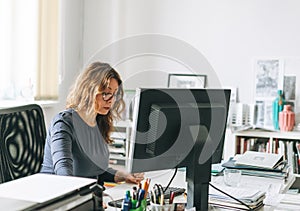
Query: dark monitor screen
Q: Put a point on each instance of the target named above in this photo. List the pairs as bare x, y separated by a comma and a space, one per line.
179, 128
168, 122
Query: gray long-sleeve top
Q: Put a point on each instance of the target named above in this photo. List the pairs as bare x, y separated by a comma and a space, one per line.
76, 149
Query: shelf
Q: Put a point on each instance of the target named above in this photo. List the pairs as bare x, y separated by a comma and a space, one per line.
118, 135
121, 137
117, 150
295, 135
285, 143
116, 157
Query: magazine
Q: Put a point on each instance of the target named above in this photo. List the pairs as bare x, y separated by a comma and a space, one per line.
259, 160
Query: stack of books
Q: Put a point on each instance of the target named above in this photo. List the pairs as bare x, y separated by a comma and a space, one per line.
245, 199
259, 164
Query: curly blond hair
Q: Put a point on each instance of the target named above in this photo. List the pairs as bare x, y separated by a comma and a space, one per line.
94, 79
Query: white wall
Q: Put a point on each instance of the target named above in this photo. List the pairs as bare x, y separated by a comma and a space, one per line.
230, 34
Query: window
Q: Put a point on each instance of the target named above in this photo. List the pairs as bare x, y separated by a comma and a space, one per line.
29, 53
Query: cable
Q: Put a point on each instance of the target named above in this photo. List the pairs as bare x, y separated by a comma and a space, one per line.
231, 196
111, 198
175, 172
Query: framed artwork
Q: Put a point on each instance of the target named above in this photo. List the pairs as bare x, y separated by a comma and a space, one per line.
264, 117
268, 78
186, 81
289, 87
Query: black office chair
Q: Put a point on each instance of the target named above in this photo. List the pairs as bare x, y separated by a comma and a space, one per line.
22, 140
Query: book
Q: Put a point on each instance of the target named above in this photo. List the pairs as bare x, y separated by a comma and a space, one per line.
292, 199
251, 127
231, 164
281, 172
262, 160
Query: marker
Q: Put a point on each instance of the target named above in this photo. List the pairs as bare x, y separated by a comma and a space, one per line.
140, 197
126, 206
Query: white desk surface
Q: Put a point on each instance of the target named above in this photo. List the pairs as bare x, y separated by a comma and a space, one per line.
159, 177
273, 187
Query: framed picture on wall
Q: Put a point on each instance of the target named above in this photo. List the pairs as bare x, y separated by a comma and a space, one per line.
268, 78
186, 81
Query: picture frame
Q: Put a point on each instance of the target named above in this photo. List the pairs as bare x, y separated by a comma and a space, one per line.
269, 74
289, 87
186, 80
269, 77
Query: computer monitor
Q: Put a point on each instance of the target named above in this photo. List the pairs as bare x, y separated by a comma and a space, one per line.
179, 128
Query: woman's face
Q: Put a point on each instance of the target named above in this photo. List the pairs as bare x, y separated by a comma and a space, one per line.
106, 98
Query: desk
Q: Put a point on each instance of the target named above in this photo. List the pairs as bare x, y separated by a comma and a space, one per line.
271, 186
41, 188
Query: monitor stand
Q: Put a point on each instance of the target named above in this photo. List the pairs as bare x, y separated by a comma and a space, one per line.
198, 177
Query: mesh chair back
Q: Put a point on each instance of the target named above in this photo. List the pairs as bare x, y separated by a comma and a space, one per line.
22, 140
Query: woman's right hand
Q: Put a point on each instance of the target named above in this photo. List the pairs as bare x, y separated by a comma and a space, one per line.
135, 178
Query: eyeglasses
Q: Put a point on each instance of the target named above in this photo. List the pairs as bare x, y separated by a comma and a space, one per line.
106, 96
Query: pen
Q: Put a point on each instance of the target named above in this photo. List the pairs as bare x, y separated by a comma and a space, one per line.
140, 197
146, 187
134, 192
172, 195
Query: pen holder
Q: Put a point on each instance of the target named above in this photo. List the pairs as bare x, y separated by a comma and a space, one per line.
142, 207
165, 207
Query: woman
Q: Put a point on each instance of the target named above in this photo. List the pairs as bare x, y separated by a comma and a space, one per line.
77, 139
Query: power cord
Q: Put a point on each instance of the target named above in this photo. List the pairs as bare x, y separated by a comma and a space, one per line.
174, 174
112, 199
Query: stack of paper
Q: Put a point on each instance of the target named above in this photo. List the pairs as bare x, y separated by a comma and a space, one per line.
259, 160
252, 198
289, 202
259, 164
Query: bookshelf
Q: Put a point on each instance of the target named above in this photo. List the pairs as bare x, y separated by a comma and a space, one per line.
285, 143
119, 149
